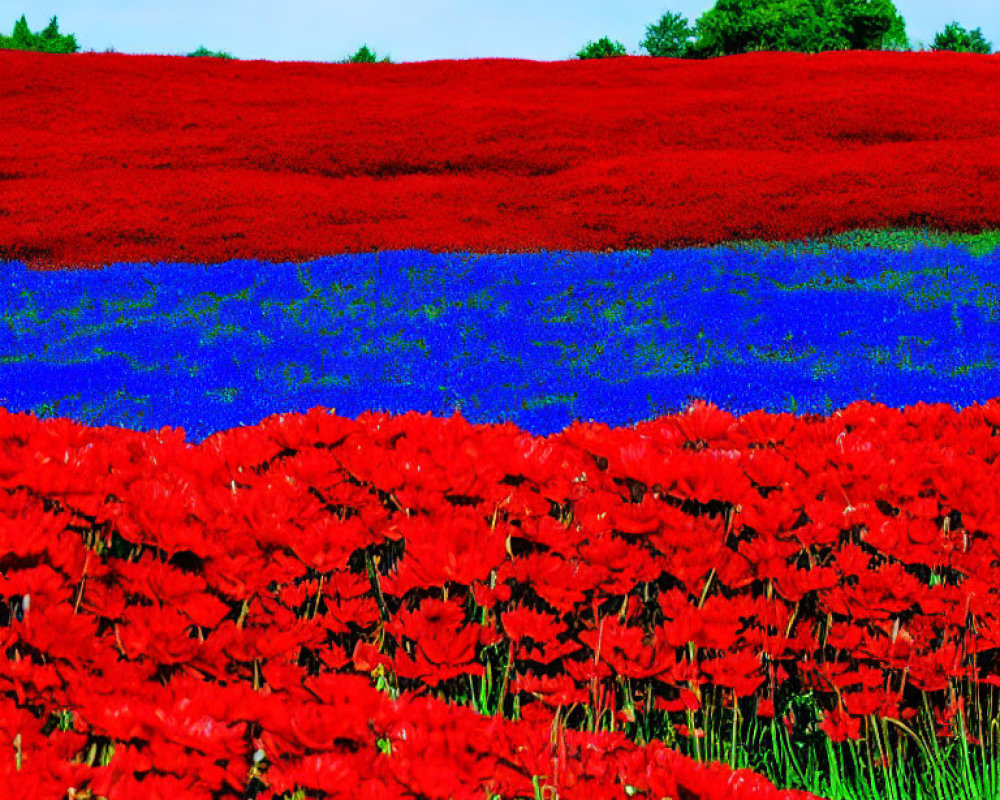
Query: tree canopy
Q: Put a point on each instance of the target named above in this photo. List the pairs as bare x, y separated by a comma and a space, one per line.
806, 26
48, 40
671, 37
955, 37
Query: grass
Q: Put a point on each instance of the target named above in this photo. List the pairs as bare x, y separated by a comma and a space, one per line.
902, 240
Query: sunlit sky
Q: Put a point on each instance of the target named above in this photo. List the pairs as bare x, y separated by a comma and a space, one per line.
406, 30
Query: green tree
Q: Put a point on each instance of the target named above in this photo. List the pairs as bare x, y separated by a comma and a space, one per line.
872, 25
23, 38
50, 33
204, 52
671, 37
955, 37
602, 48
365, 56
806, 26
739, 26
49, 40
802, 26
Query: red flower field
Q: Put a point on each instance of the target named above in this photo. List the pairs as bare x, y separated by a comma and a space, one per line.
107, 157
207, 619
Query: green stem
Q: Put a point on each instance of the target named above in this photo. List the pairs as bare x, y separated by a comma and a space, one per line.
376, 587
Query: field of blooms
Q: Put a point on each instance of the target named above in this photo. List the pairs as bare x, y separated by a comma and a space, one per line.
107, 157
392, 431
208, 615
536, 339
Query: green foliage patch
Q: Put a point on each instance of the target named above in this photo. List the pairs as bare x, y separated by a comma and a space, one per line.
602, 48
671, 37
48, 40
204, 52
956, 38
804, 26
365, 55
731, 27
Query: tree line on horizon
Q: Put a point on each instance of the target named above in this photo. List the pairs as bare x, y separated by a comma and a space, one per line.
730, 27
50, 40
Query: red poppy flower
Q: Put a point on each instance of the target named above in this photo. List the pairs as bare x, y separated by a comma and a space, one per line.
325, 772
685, 701
553, 690
838, 725
738, 671
55, 629
542, 629
793, 584
762, 429
444, 645
863, 702
157, 634
342, 717
486, 597
617, 565
326, 542
561, 583
456, 545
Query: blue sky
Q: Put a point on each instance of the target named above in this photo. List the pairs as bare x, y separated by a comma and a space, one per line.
407, 30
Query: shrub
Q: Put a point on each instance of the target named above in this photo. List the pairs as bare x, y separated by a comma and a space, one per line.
955, 37
48, 40
204, 52
602, 48
671, 37
366, 56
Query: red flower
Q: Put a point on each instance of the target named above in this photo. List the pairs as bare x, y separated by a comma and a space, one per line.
762, 429
685, 701
367, 657
326, 772
617, 565
56, 630
23, 512
348, 601
454, 545
443, 645
42, 584
561, 583
158, 634
712, 625
765, 708
166, 584
840, 726
738, 671
341, 716
554, 691
326, 542
542, 629
793, 584
489, 598
864, 702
